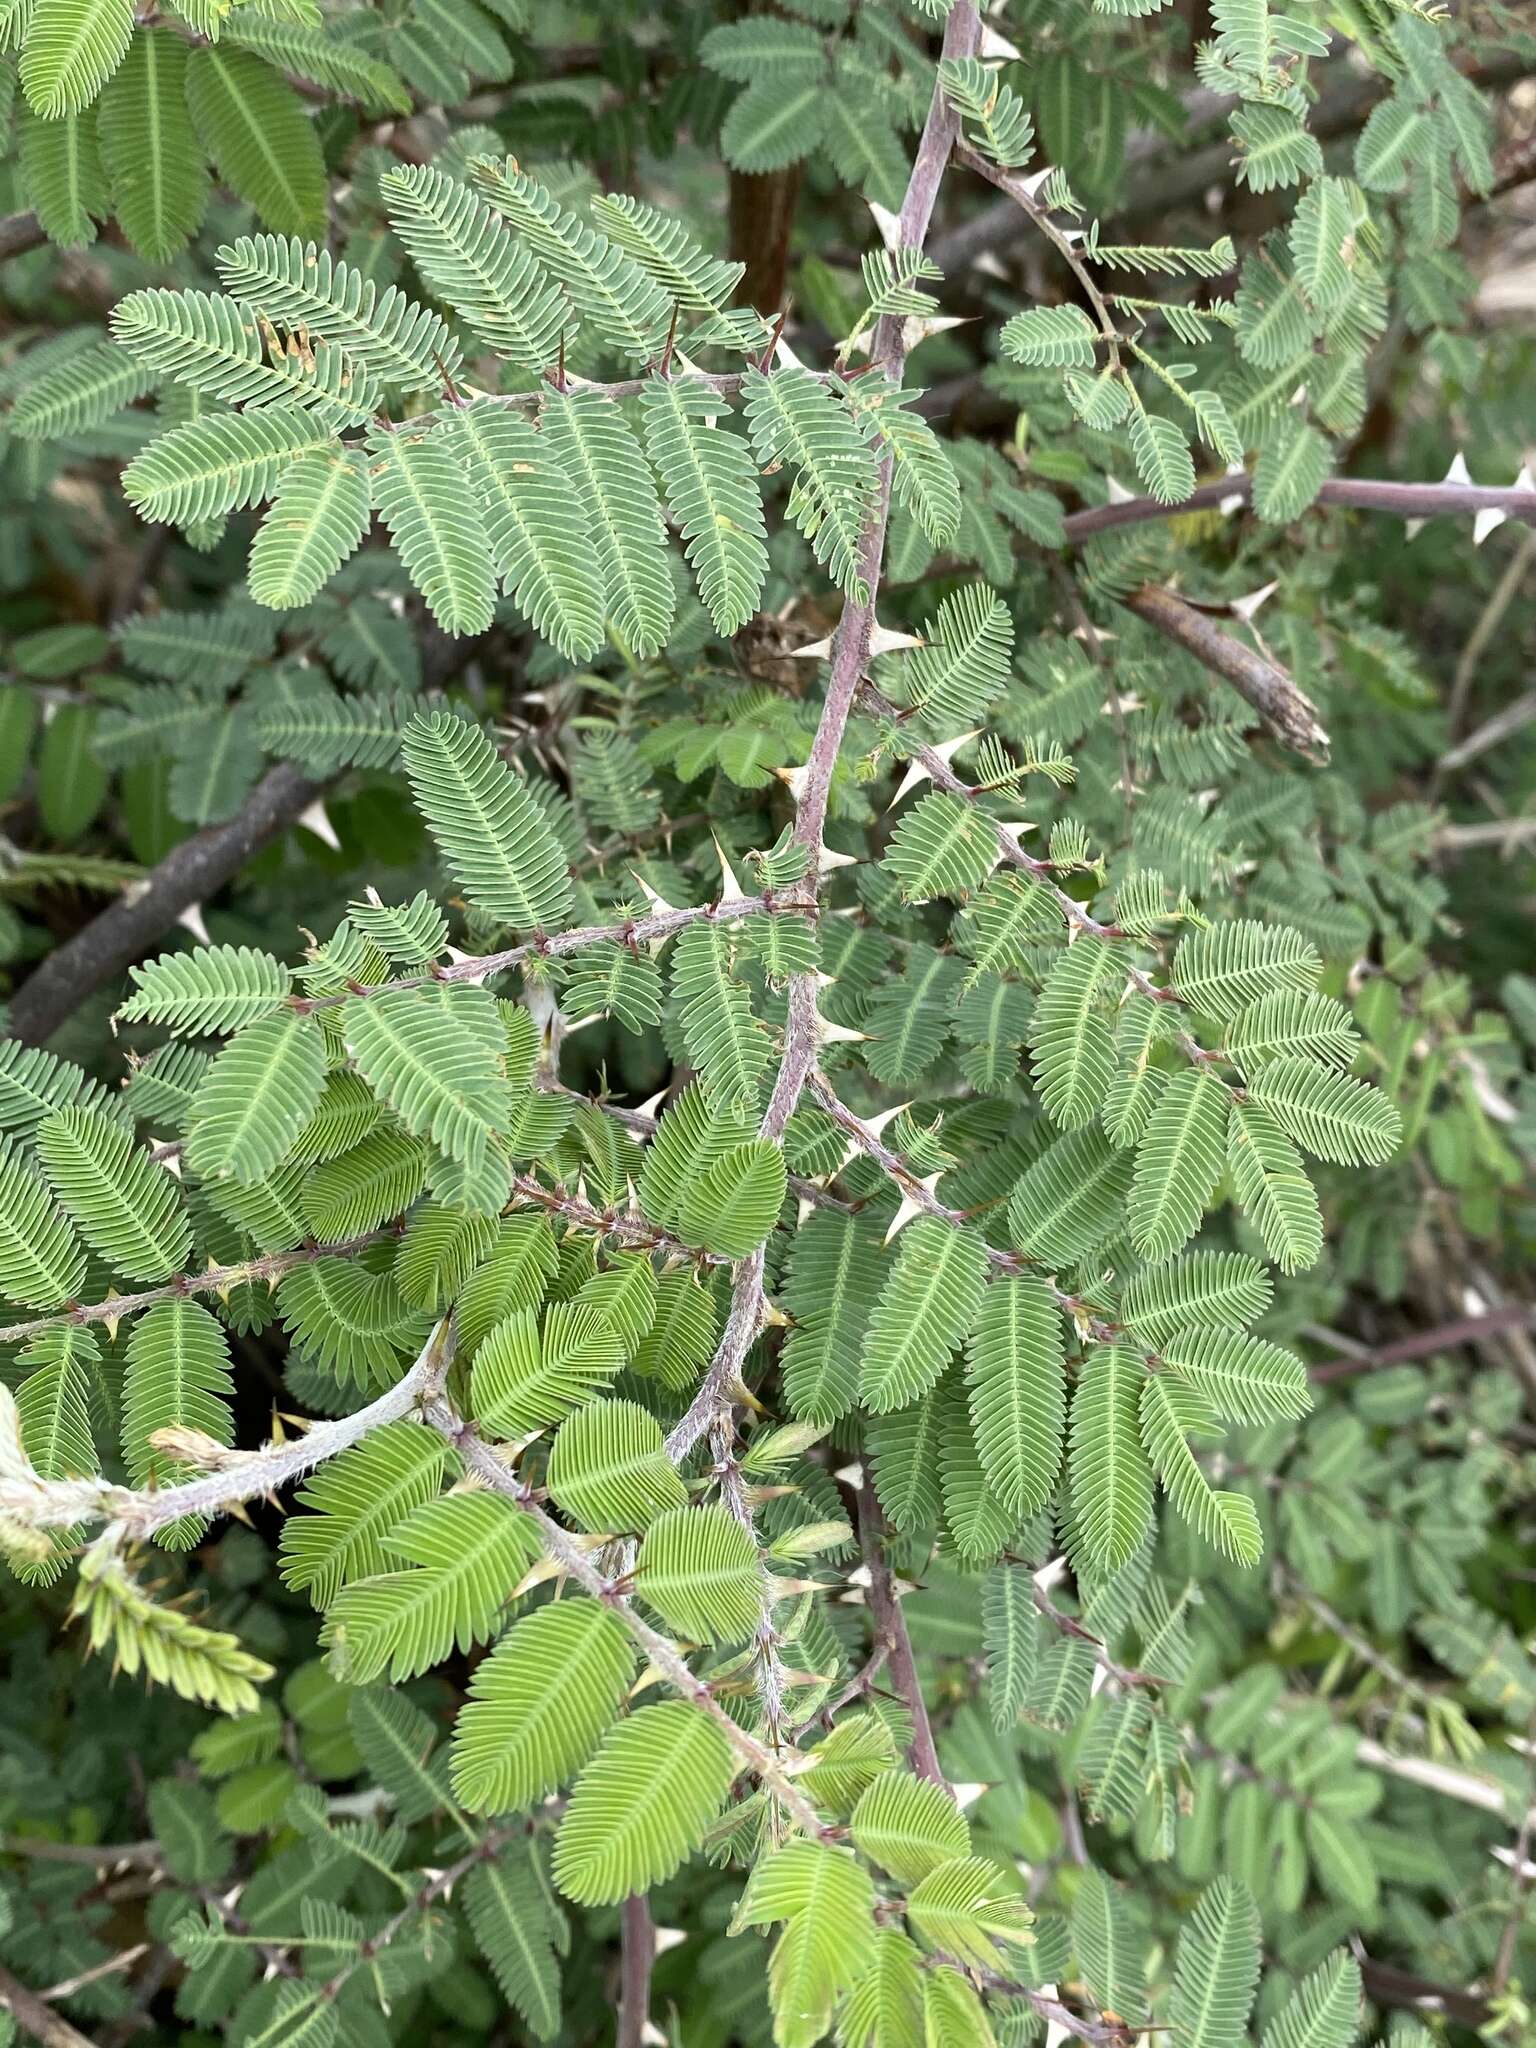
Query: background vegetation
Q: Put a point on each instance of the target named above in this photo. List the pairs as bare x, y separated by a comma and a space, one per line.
855, 1076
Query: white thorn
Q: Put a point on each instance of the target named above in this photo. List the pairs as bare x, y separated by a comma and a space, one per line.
1486, 522
916, 773
582, 1023
1020, 829
888, 223
967, 1795
886, 640
316, 820
876, 1124
171, 1161
191, 919
851, 1475
731, 890
657, 903
651, 1107
1118, 494
374, 897
804, 1209
828, 860
860, 1577
794, 780
838, 1034
989, 265
459, 958
815, 650
994, 45
651, 2036
668, 1938
1412, 528
918, 327
1246, 607
1458, 473
1524, 481
1036, 180
910, 1207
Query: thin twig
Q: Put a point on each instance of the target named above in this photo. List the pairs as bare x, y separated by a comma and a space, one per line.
1423, 1343
633, 931
851, 643
891, 1630
1500, 599
668, 1660
242, 1476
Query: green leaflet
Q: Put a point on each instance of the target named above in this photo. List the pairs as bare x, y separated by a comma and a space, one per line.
707, 475
256, 1098
608, 1468
517, 1933
178, 1377
158, 178
603, 467
700, 1570
488, 828
318, 518
433, 1054
1070, 1035
435, 522
526, 1377
539, 1704
42, 1262
732, 1208
126, 1207
1017, 1386
1178, 1162
263, 144
1111, 1480
1217, 1968
356, 1501
642, 1804
909, 1826
71, 47
925, 1306
540, 546
461, 1555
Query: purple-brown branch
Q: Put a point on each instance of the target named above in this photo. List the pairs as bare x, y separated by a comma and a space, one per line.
1358, 494
637, 1952
850, 658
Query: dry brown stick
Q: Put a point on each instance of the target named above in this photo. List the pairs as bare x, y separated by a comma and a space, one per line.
20, 232
189, 874
1288, 715
1423, 1343
35, 2017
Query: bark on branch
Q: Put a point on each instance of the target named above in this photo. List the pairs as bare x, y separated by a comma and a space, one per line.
1288, 715
190, 873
